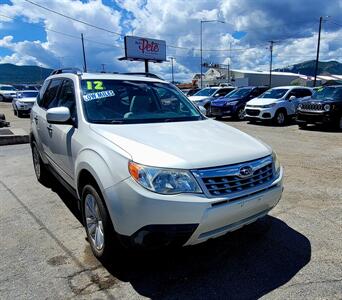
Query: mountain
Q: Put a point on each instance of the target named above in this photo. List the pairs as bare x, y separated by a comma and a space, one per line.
308, 68
10, 73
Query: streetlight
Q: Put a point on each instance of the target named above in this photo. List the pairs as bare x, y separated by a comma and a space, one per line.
205, 21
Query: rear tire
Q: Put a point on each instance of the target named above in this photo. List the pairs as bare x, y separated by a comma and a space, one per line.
19, 114
98, 225
280, 118
42, 173
302, 125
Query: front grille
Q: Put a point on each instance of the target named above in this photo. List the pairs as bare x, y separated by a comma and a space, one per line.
312, 107
227, 181
252, 112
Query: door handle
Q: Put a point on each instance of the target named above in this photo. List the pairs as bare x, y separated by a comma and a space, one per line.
49, 128
36, 119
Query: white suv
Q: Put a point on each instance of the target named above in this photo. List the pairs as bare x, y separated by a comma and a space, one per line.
131, 149
278, 104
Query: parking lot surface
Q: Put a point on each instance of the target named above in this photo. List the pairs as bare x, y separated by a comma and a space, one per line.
295, 252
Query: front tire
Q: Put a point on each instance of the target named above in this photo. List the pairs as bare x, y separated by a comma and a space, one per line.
98, 225
280, 118
302, 125
240, 114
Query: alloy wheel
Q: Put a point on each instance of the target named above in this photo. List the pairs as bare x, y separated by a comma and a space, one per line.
281, 118
94, 222
241, 114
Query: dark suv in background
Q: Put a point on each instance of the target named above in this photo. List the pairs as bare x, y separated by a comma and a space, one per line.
324, 107
234, 103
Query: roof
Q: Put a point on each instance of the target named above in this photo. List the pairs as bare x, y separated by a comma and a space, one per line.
110, 76
267, 72
28, 91
290, 87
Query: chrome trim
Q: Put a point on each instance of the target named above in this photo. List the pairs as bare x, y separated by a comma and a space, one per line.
234, 170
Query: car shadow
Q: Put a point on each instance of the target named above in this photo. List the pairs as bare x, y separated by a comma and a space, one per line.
245, 264
320, 128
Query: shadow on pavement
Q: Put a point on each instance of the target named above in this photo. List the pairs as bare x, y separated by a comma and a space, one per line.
245, 264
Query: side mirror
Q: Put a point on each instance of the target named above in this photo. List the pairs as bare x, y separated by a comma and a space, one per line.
202, 110
58, 115
292, 98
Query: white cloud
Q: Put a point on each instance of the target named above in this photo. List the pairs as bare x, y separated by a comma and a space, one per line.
291, 22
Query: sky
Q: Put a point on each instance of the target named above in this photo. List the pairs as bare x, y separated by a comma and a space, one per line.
32, 35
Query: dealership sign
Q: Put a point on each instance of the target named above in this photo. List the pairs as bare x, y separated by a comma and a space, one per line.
139, 48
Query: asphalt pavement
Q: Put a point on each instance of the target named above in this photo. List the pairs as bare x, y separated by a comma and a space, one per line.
295, 252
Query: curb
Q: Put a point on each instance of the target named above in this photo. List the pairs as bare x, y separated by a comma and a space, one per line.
18, 136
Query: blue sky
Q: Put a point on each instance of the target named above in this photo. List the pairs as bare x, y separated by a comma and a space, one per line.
29, 34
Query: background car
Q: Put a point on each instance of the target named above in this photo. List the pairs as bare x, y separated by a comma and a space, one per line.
205, 101
324, 107
214, 91
278, 104
192, 92
234, 103
7, 92
23, 102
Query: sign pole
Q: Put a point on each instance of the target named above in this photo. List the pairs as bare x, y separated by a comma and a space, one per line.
146, 66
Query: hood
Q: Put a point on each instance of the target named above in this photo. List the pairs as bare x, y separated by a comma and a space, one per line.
222, 101
317, 101
184, 145
27, 99
262, 101
197, 98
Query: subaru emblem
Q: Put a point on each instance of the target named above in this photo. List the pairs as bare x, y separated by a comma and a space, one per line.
246, 171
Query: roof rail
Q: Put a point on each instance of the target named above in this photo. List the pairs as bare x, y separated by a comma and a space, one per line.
151, 75
67, 70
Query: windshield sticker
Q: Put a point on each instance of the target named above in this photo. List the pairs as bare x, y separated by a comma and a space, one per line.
320, 89
95, 85
98, 95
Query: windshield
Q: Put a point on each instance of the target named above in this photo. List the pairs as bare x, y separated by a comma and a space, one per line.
328, 93
28, 94
239, 93
126, 101
274, 93
7, 88
206, 92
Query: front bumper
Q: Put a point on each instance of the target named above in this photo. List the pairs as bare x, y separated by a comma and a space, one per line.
220, 111
316, 118
260, 113
144, 218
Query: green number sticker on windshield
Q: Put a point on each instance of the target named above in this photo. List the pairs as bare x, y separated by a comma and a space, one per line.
95, 85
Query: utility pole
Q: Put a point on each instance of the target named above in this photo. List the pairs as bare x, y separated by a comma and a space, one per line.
318, 45
103, 68
229, 62
201, 40
271, 58
84, 57
172, 58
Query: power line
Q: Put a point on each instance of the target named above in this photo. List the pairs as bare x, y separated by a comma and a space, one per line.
74, 19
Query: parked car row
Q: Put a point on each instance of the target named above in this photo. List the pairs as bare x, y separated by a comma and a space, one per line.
279, 105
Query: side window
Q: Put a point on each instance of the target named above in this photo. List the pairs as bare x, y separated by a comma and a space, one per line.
292, 93
41, 92
67, 97
222, 92
50, 96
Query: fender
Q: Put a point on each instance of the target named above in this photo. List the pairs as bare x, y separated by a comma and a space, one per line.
99, 167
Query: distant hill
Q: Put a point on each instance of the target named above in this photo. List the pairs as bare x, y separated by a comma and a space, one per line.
10, 73
308, 68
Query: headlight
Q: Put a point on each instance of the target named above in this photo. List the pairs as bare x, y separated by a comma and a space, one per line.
327, 107
268, 105
164, 181
276, 163
300, 106
231, 102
